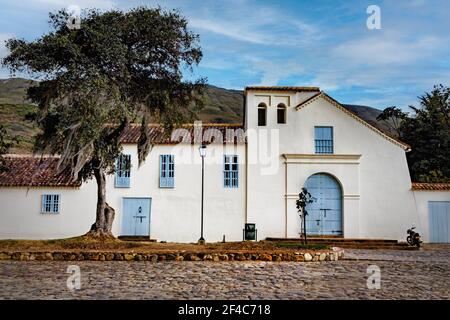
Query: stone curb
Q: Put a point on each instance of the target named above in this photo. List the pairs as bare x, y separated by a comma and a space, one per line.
332, 255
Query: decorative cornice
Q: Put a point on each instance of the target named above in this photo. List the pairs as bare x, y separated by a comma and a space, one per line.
321, 156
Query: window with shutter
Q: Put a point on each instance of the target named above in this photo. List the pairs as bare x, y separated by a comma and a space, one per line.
123, 171
323, 140
167, 171
50, 203
231, 171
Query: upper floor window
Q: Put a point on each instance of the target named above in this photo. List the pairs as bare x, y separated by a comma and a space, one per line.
231, 171
281, 113
123, 171
323, 139
262, 114
166, 171
50, 203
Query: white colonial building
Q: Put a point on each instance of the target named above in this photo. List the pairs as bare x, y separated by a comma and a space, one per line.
292, 137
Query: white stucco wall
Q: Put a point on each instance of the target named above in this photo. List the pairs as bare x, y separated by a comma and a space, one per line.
279, 158
377, 200
421, 200
175, 213
21, 217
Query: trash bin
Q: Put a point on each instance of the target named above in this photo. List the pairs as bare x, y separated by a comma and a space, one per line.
250, 232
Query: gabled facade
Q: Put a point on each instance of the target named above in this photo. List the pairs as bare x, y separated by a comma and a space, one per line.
292, 137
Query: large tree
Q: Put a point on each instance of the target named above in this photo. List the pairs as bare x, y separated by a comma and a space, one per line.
427, 130
428, 133
118, 67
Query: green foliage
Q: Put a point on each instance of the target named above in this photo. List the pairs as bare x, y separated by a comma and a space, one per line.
393, 117
5, 145
118, 67
428, 133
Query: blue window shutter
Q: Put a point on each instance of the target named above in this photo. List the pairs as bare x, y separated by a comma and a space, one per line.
323, 140
225, 171
170, 171
43, 202
123, 171
231, 171
55, 204
162, 171
166, 171
236, 172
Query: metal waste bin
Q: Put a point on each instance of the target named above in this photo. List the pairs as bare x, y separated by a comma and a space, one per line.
250, 232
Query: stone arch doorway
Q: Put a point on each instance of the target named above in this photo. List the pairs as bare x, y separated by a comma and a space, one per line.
325, 213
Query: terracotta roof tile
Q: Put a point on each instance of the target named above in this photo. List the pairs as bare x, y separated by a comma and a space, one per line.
33, 171
212, 133
431, 186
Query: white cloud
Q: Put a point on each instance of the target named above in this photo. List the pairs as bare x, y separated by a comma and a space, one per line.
3, 38
100, 4
272, 71
382, 50
229, 30
253, 23
4, 73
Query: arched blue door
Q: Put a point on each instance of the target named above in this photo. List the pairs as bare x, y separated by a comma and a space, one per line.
325, 213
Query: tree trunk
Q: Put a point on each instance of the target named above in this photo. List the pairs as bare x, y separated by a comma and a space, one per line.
105, 213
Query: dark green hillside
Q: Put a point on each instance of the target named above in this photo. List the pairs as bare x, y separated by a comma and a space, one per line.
221, 106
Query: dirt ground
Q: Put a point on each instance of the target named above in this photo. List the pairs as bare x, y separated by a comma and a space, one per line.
116, 245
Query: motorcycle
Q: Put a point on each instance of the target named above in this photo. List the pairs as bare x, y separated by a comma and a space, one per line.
413, 237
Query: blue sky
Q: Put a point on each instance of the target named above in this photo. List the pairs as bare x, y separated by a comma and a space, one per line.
293, 42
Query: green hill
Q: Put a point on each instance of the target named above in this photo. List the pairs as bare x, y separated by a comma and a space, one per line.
221, 106
12, 91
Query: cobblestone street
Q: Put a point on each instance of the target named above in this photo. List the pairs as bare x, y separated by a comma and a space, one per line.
423, 274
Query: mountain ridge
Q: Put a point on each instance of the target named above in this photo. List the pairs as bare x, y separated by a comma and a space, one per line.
221, 106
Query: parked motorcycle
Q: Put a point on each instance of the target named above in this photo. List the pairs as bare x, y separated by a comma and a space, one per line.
413, 237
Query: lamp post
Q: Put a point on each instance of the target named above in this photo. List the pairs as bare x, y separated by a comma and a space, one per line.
202, 150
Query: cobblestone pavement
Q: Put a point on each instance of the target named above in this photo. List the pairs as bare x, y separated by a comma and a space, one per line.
423, 274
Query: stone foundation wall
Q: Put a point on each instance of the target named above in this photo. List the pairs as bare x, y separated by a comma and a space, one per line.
333, 255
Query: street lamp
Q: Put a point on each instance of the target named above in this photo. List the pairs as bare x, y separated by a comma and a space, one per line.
202, 150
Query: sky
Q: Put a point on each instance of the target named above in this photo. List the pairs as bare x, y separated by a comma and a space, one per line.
320, 43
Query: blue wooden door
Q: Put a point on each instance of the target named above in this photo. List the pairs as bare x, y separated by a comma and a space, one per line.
136, 217
439, 221
325, 213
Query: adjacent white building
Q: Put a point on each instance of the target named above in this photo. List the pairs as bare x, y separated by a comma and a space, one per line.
292, 137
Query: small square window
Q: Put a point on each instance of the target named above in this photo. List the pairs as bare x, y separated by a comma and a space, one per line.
50, 203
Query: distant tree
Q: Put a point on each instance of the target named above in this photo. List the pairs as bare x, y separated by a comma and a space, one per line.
393, 117
118, 67
428, 133
5, 144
